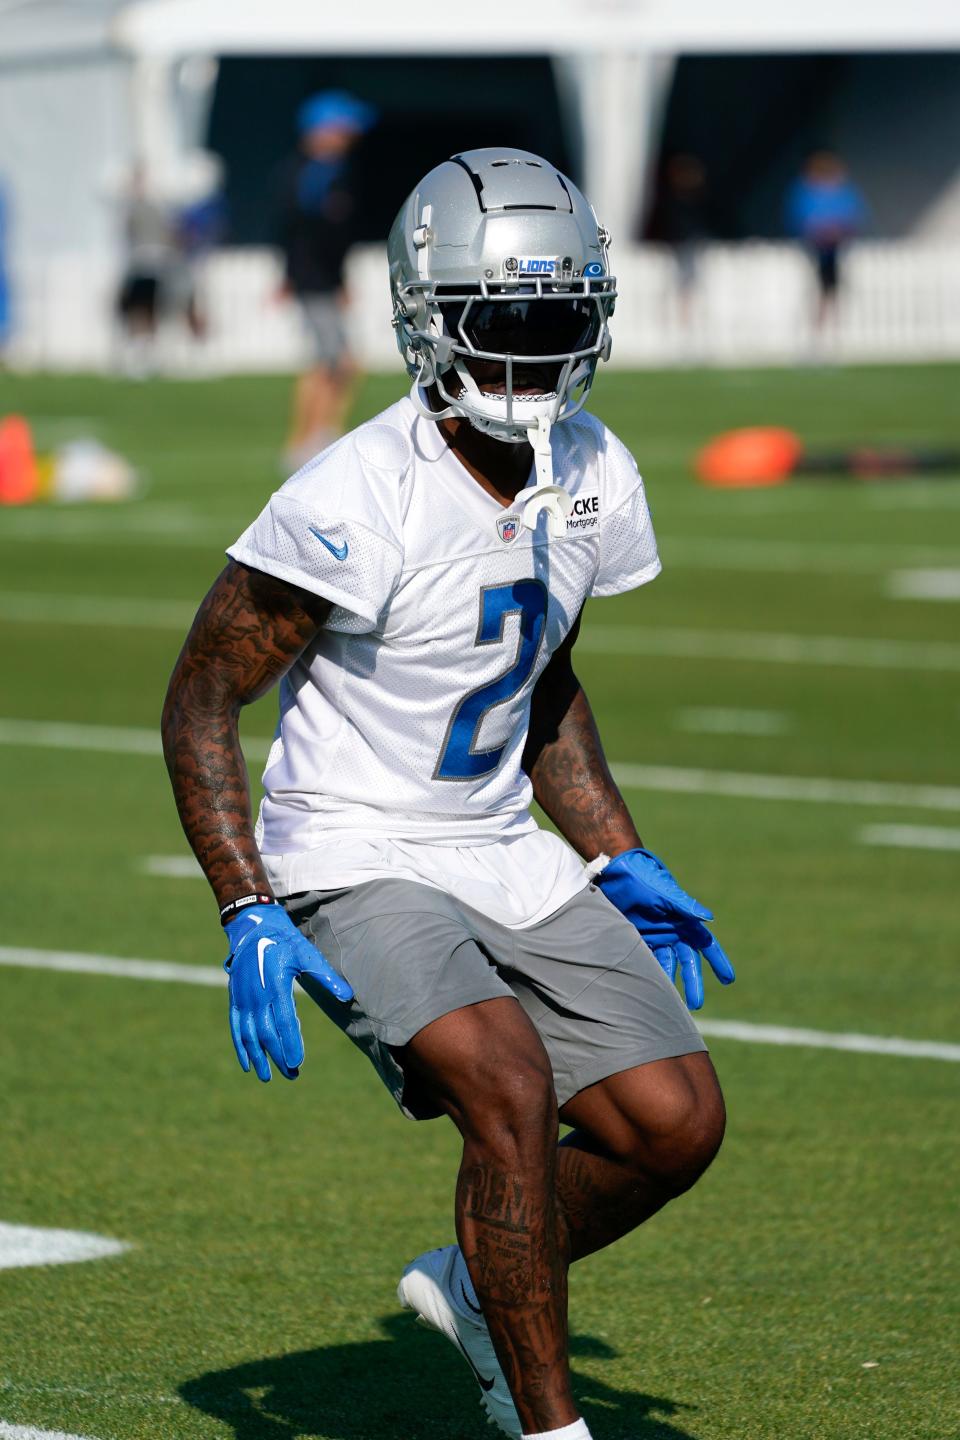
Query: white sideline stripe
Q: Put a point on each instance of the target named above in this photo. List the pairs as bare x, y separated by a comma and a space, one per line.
30, 1432
818, 790
924, 585
22, 1245
64, 960
715, 720
910, 837
170, 867
113, 739
773, 647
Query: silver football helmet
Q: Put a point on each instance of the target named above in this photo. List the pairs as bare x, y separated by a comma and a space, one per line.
497, 257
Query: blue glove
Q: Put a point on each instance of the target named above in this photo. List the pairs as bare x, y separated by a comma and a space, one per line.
267, 953
669, 920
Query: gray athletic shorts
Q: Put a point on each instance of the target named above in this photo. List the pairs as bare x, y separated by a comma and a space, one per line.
592, 988
323, 322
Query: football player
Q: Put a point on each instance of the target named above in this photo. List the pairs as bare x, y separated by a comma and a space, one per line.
417, 590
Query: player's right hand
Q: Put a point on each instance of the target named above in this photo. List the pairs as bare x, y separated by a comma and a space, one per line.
267, 953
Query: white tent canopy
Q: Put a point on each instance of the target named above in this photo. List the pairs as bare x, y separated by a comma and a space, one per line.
235, 27
613, 60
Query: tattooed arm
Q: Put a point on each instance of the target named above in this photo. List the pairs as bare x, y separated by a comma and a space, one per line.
566, 764
248, 632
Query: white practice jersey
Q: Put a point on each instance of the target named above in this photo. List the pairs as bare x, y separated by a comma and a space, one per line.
402, 726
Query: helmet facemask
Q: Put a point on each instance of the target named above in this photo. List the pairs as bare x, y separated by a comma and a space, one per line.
534, 329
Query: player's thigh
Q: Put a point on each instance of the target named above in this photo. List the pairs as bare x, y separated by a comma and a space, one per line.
410, 956
600, 1002
485, 1066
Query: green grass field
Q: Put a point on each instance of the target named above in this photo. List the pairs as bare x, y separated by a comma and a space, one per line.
808, 1287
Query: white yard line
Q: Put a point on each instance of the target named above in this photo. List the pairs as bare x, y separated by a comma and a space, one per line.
96, 610
772, 647
147, 524
815, 556
807, 788
910, 837
60, 735
72, 963
164, 970
112, 739
940, 494
924, 585
170, 867
669, 642
30, 1432
158, 523
23, 1245
716, 720
829, 1040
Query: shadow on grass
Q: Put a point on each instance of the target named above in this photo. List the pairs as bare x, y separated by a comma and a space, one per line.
403, 1387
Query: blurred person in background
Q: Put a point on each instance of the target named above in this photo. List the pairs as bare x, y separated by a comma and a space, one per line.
317, 229
682, 223
825, 209
150, 237
200, 223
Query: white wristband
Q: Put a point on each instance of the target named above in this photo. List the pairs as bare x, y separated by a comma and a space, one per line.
595, 866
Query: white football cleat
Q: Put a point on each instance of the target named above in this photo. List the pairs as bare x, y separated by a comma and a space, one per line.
426, 1287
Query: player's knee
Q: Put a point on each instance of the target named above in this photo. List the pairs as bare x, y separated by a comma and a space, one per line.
675, 1135
513, 1109
688, 1133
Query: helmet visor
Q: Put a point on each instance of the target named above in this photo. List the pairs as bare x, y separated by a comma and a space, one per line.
520, 326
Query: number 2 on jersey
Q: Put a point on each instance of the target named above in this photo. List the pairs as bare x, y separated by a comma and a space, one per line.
459, 760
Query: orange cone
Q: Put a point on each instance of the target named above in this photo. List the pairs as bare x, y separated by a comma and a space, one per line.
19, 478
744, 458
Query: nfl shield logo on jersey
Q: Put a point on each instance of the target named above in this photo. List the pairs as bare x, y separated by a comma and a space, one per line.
507, 528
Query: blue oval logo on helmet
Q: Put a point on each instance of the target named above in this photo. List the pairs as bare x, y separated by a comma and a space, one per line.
591, 271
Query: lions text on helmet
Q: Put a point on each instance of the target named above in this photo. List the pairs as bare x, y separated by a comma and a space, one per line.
501, 295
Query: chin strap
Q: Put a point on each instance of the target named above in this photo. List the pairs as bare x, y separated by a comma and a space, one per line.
542, 451
420, 406
545, 495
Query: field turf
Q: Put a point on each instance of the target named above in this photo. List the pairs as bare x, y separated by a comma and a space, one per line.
807, 1289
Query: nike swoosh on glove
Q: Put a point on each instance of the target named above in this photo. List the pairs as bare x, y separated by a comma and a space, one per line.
670, 920
267, 953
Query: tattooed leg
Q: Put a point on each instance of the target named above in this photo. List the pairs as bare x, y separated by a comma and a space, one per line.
516, 1251
643, 1137
486, 1065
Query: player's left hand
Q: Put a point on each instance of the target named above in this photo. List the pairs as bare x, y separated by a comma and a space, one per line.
267, 953
670, 920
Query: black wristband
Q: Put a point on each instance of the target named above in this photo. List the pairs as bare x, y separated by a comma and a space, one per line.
235, 907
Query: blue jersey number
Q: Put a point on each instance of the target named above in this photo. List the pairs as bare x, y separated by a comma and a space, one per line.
528, 598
